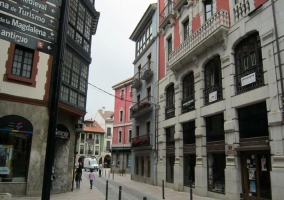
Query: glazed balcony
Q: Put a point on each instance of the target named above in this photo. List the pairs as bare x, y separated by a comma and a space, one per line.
249, 79
242, 9
141, 141
137, 82
166, 15
147, 71
213, 30
141, 108
187, 104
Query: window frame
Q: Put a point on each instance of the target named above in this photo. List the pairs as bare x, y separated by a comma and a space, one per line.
208, 3
185, 25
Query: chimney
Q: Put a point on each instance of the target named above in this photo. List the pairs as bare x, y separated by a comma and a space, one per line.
103, 110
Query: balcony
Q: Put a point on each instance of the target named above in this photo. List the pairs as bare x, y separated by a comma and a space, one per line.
137, 80
147, 71
170, 111
241, 9
213, 30
187, 104
249, 79
167, 15
140, 141
141, 108
213, 94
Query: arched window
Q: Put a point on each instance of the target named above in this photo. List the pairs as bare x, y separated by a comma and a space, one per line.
213, 81
248, 62
170, 101
188, 93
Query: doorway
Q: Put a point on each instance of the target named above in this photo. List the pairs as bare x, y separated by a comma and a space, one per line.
256, 175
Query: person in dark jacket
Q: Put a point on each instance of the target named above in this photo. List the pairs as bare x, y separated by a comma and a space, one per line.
78, 177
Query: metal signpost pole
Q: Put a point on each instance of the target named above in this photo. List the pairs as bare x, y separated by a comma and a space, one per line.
54, 98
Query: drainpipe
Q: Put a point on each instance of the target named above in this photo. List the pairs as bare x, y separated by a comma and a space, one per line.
277, 50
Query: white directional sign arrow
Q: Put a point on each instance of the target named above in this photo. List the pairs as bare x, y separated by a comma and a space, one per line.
49, 48
51, 21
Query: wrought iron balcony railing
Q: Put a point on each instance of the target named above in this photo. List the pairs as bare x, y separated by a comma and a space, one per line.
187, 104
249, 79
166, 14
213, 94
215, 27
147, 70
140, 141
170, 111
142, 107
241, 9
137, 80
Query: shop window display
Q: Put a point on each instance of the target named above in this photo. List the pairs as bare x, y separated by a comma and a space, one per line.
216, 172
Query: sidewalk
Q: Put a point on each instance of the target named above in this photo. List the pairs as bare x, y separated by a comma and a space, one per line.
85, 193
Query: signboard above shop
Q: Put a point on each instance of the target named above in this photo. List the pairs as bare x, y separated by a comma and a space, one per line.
62, 132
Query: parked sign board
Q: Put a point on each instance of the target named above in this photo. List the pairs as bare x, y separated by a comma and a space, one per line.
56, 2
28, 28
28, 14
25, 40
41, 6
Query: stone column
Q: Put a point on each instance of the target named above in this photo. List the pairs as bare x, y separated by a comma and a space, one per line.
178, 167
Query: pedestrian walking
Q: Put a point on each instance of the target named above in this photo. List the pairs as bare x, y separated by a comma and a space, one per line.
100, 169
78, 177
91, 178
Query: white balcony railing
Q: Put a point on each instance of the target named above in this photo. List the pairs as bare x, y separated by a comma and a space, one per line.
220, 19
241, 9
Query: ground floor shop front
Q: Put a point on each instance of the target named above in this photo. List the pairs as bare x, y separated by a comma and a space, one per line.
23, 136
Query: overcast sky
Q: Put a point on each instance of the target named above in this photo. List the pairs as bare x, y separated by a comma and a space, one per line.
112, 50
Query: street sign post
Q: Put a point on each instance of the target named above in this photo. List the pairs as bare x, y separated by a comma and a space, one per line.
28, 28
28, 14
26, 41
41, 6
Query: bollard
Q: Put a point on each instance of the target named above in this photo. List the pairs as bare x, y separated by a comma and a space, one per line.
144, 198
190, 192
163, 189
106, 190
119, 194
105, 172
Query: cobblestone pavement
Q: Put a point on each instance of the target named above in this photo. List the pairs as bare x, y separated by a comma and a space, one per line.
130, 190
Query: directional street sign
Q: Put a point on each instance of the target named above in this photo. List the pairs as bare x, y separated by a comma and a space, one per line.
26, 41
41, 6
28, 14
28, 28
56, 2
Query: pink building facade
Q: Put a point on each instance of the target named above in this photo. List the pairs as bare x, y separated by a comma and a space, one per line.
122, 126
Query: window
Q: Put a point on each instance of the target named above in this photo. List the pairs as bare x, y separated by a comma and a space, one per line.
121, 94
149, 93
248, 62
185, 29
109, 132
107, 145
96, 150
121, 116
149, 62
74, 80
80, 23
21, 66
15, 148
189, 169
119, 136
213, 72
81, 149
148, 167
189, 132
97, 139
137, 131
215, 128
170, 47
148, 128
170, 139
90, 136
129, 136
188, 93
82, 138
170, 162
216, 172
253, 121
170, 102
208, 9
144, 39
